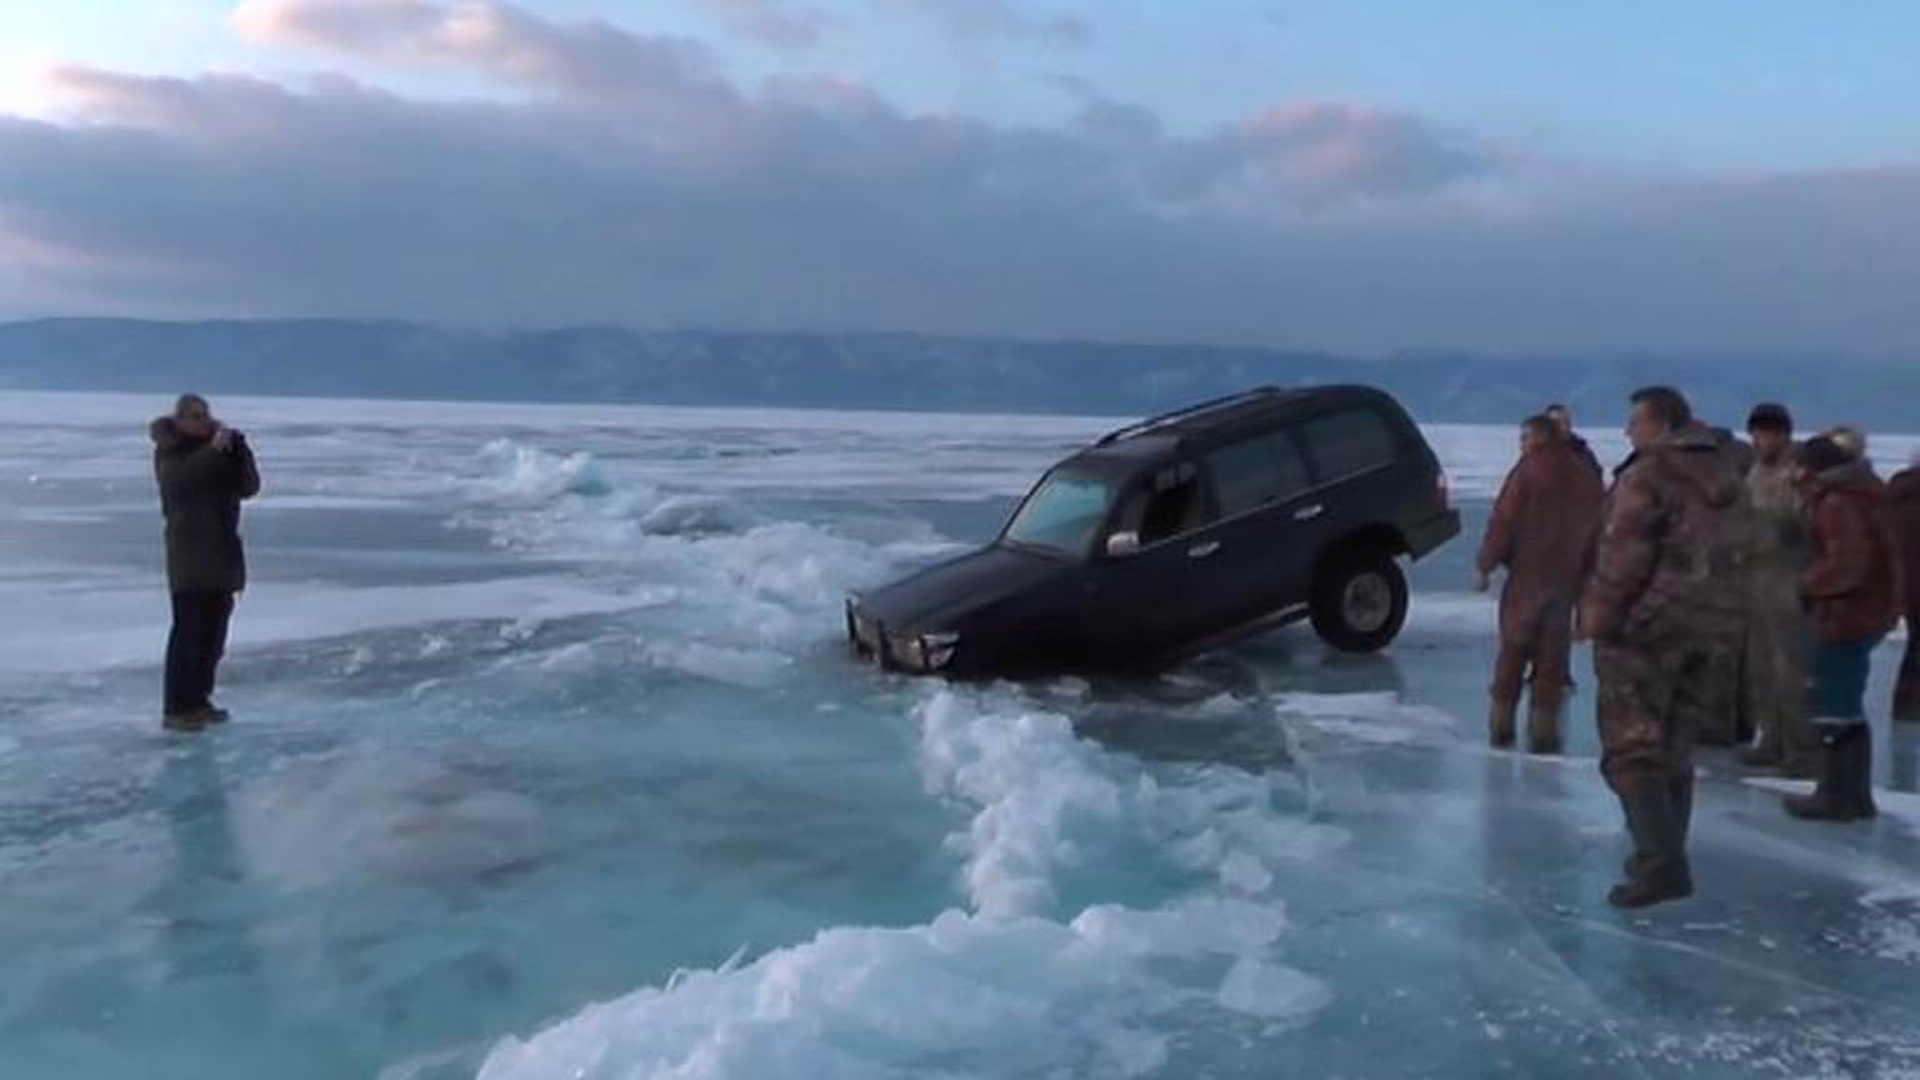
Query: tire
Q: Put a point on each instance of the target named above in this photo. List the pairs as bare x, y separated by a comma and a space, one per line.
1360, 602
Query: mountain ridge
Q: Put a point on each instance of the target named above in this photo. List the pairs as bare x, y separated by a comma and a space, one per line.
883, 370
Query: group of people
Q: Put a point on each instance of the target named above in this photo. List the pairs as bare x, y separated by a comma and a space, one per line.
1730, 589
1734, 592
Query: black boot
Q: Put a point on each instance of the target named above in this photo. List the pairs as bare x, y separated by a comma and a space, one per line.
1658, 870
1856, 754
1831, 799
1683, 808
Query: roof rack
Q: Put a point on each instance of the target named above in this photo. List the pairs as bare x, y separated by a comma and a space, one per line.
1141, 427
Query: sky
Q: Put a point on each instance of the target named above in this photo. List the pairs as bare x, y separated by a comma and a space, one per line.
1357, 175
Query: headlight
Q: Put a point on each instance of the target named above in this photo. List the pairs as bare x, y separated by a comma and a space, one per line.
923, 652
938, 649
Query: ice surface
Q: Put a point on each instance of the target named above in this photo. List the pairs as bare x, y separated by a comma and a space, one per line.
548, 761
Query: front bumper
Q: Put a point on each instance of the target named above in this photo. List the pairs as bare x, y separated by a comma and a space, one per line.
919, 654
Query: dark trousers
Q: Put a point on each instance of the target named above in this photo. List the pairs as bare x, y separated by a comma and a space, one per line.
194, 648
1838, 696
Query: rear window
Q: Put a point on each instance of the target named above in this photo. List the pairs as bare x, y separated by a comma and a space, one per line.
1256, 472
1347, 443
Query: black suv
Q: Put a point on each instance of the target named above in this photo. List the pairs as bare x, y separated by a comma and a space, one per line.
1182, 533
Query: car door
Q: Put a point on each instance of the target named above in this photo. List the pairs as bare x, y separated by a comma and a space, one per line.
1169, 590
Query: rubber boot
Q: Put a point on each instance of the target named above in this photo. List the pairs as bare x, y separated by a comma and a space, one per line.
1832, 798
1682, 790
1543, 722
1801, 753
1682, 793
1500, 723
1658, 871
1857, 758
186, 722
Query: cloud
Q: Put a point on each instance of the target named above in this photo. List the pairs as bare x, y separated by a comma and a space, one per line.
998, 19
668, 197
588, 59
778, 24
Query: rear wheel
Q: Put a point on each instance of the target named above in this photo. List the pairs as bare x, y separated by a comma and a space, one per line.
1360, 602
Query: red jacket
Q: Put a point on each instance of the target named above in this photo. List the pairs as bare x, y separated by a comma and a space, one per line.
1542, 530
1853, 584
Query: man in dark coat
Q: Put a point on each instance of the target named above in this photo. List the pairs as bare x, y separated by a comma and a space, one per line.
204, 470
1658, 609
1852, 587
1542, 532
1903, 515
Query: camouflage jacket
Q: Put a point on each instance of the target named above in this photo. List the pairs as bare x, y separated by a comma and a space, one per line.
1780, 539
1674, 556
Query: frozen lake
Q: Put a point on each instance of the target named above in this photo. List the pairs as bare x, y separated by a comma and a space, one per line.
548, 761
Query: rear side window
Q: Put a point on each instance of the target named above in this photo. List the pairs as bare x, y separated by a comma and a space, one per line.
1256, 472
1346, 443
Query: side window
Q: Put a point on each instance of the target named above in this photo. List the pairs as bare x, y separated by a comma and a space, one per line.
1167, 505
1346, 443
1256, 472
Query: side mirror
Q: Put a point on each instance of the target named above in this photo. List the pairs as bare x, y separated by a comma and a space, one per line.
1122, 545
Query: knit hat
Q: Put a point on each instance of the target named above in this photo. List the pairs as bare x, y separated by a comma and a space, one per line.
1850, 439
1821, 454
1770, 417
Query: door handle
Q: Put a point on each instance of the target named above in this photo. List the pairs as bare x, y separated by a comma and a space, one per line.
1201, 551
1308, 513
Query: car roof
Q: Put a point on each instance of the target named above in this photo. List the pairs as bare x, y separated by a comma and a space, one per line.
1165, 436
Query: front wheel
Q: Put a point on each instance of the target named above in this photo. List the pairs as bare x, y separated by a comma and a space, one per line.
1360, 603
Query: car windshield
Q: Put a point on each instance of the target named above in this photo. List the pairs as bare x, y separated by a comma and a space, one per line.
1064, 513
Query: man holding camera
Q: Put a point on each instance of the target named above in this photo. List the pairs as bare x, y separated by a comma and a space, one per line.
205, 470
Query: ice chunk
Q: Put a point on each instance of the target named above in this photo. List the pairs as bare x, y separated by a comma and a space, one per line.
692, 515
963, 995
718, 663
1035, 788
531, 475
1380, 718
1271, 992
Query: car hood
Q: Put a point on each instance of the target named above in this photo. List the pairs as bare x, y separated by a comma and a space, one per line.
933, 598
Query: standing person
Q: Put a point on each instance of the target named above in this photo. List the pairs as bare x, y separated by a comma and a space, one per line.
1851, 440
1657, 610
1542, 532
1778, 632
1852, 587
204, 470
1562, 418
1903, 497
1713, 698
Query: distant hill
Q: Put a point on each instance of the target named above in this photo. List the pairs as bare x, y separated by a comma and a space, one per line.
891, 371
